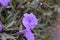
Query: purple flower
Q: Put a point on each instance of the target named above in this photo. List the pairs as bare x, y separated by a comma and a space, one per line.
4, 2
29, 20
1, 27
27, 34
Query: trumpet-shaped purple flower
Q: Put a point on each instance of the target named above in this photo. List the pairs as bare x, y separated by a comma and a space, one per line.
4, 2
29, 20
27, 34
1, 27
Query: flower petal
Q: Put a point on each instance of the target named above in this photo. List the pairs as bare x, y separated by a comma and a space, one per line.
26, 15
21, 32
29, 35
1, 27
4, 2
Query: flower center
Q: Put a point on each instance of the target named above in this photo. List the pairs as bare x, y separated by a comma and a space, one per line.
29, 20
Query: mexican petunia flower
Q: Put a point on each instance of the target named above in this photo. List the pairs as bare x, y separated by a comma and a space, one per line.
29, 20
1, 27
4, 2
27, 33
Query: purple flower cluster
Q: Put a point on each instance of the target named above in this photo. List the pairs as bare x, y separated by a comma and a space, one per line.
29, 21
4, 2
